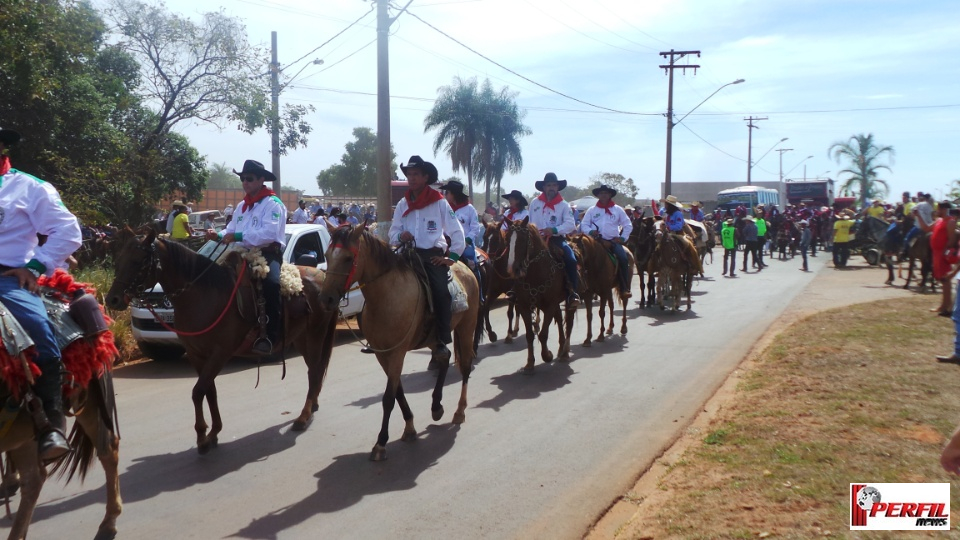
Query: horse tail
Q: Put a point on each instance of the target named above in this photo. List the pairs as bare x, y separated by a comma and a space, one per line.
102, 399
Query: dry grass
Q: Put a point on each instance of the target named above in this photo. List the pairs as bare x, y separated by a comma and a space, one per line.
849, 395
101, 277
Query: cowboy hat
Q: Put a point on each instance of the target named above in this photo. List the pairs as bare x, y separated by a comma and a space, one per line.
516, 195
673, 200
453, 185
9, 137
696, 203
255, 168
178, 203
416, 162
750, 218
628, 207
729, 221
602, 188
550, 177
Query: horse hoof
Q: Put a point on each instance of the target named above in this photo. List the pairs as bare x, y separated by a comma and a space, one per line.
105, 534
299, 425
601, 338
202, 449
459, 418
314, 408
437, 413
527, 370
492, 336
409, 435
508, 339
9, 489
547, 357
379, 453
587, 343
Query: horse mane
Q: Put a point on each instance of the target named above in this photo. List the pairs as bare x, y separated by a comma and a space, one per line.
379, 251
207, 273
536, 240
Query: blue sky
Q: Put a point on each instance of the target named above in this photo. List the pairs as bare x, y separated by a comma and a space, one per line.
820, 71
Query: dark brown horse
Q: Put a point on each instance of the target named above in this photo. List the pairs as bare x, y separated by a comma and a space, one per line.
919, 250
497, 282
675, 258
540, 285
642, 244
396, 319
599, 273
215, 317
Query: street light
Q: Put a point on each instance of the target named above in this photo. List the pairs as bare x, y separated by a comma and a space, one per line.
798, 164
750, 164
782, 150
667, 180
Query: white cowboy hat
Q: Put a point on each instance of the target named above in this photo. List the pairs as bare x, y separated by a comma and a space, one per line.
671, 199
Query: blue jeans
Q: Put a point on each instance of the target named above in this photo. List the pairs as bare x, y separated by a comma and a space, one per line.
623, 272
956, 320
910, 235
569, 262
28, 310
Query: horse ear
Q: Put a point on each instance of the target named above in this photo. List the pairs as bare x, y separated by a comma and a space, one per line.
526, 221
150, 236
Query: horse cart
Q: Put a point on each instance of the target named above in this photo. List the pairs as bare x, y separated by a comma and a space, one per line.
869, 239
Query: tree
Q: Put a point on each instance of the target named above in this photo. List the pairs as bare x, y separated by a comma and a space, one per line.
222, 177
626, 189
479, 130
356, 174
862, 156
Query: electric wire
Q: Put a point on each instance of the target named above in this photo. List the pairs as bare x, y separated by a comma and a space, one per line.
351, 25
584, 34
571, 8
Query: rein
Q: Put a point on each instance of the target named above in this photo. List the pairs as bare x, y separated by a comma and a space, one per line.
226, 308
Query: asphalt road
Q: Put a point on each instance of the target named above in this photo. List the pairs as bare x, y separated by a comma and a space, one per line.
539, 456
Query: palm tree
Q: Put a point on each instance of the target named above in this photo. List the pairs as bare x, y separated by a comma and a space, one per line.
863, 155
479, 129
455, 117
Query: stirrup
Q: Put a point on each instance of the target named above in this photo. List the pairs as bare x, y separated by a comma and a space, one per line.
53, 445
262, 346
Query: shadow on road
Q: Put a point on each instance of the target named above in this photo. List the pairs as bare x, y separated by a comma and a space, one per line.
351, 477
150, 476
546, 378
413, 383
666, 316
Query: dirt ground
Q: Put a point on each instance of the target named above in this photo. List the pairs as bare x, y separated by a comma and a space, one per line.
830, 289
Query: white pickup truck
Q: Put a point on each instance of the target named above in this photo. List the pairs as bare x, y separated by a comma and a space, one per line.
156, 342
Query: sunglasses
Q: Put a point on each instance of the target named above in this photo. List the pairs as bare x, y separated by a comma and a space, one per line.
248, 178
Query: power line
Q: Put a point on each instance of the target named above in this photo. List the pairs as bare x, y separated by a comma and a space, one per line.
628, 23
588, 36
571, 8
711, 145
501, 66
351, 25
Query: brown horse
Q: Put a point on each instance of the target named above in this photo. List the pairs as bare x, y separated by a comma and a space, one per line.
672, 258
642, 244
498, 282
599, 272
540, 285
216, 319
396, 319
919, 250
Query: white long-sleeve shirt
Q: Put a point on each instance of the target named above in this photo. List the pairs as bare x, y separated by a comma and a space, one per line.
616, 224
300, 216
261, 225
559, 218
469, 221
428, 225
30, 206
516, 216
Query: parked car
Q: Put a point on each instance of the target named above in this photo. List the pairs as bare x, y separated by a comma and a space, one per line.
197, 219
305, 243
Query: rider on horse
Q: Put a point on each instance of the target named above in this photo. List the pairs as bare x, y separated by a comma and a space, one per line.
423, 216
466, 214
260, 222
517, 209
28, 207
609, 221
674, 209
554, 218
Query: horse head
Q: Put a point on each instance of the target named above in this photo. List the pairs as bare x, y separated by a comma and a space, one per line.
493, 239
519, 239
344, 264
134, 267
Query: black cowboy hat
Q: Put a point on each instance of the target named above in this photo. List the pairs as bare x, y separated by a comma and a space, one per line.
255, 168
516, 195
550, 177
604, 187
453, 186
9, 137
416, 162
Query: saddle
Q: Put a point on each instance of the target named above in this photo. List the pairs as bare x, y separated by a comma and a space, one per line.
458, 296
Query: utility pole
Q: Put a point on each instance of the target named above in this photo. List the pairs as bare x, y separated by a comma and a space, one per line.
674, 56
750, 128
384, 174
275, 112
782, 150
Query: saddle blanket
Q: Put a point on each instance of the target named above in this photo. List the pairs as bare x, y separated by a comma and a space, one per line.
457, 295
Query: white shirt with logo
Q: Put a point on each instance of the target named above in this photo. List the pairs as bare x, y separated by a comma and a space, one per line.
470, 222
30, 206
261, 225
428, 225
299, 216
616, 224
560, 217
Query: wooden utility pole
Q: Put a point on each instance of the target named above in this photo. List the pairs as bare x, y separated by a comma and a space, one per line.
674, 56
750, 127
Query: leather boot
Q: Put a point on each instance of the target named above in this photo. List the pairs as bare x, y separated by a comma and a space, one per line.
52, 443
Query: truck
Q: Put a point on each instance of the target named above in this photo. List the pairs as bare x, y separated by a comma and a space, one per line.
812, 193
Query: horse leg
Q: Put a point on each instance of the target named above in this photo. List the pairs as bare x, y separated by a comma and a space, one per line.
32, 476
623, 320
909, 273
544, 334
409, 432
610, 305
464, 361
528, 327
563, 352
317, 357
688, 289
99, 436
436, 408
391, 366
216, 423
513, 321
601, 335
588, 306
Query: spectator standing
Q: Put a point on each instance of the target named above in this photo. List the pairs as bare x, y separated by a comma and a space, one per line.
180, 227
806, 237
841, 239
728, 238
300, 215
943, 241
228, 213
750, 242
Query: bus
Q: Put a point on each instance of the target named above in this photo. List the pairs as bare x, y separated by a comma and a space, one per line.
748, 197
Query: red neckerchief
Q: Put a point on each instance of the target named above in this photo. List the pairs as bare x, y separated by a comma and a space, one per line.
552, 202
250, 200
606, 207
459, 206
510, 213
427, 197
4, 165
